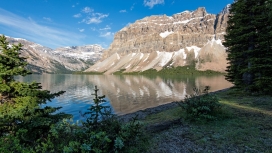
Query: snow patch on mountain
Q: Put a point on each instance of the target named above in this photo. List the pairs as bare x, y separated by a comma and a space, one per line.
186, 11
181, 52
87, 52
43, 59
165, 57
195, 48
166, 33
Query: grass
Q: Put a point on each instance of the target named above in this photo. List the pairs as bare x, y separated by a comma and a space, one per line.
180, 70
167, 115
245, 126
166, 71
186, 70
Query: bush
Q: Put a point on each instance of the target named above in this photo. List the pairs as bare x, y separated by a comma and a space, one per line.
22, 119
101, 132
26, 127
201, 107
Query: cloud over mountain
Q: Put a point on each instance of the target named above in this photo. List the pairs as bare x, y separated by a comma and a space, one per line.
33, 31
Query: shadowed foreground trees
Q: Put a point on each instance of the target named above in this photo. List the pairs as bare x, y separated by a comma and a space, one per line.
249, 45
21, 114
26, 126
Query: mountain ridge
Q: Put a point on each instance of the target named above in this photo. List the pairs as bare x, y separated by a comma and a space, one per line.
158, 41
42, 59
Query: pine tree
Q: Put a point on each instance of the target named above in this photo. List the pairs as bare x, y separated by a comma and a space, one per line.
20, 103
248, 42
263, 53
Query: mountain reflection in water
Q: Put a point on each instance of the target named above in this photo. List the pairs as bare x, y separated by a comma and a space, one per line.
124, 93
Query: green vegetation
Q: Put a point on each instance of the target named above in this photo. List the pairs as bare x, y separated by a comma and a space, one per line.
231, 121
167, 71
244, 125
249, 45
101, 132
182, 70
22, 119
26, 126
201, 107
170, 71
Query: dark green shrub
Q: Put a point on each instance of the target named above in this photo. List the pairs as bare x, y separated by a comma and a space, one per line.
22, 119
200, 106
101, 132
116, 136
26, 127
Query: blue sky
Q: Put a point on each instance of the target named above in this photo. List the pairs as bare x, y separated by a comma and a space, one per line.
59, 23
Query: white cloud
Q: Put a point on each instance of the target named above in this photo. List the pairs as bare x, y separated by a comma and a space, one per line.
90, 17
94, 18
47, 19
132, 7
29, 29
100, 15
152, 3
90, 20
81, 30
77, 15
123, 11
87, 10
106, 28
107, 34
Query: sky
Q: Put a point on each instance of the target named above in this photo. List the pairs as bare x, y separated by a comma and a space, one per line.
61, 23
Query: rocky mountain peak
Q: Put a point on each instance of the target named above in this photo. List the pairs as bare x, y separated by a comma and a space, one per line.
159, 41
88, 52
200, 12
86, 48
226, 9
64, 59
164, 33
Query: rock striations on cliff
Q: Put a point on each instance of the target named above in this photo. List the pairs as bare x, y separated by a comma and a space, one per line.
159, 41
65, 59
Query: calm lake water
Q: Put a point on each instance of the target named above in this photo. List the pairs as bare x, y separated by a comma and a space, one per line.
124, 93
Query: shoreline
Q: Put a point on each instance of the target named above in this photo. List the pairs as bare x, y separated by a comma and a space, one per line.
141, 114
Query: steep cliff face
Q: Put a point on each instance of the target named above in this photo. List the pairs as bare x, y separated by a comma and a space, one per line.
43, 59
159, 41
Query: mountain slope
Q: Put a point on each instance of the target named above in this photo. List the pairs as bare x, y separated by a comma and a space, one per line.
43, 59
158, 41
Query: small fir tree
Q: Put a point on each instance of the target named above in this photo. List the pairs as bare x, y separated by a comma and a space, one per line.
21, 114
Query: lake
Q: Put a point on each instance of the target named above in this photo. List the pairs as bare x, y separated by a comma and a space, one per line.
124, 93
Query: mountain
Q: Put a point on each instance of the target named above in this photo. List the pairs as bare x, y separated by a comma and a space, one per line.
155, 42
66, 59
